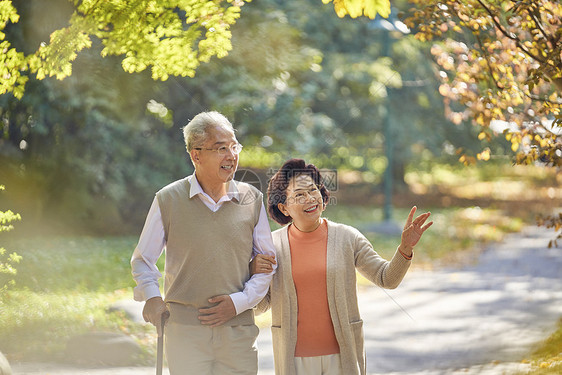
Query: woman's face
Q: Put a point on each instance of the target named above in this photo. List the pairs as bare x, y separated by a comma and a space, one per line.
304, 203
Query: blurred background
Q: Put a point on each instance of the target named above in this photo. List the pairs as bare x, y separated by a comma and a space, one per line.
81, 158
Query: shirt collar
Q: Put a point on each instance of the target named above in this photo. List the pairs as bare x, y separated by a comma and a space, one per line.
232, 191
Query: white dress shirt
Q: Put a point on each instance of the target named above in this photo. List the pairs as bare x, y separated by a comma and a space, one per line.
152, 243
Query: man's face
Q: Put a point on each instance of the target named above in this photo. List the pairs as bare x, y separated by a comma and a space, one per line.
210, 164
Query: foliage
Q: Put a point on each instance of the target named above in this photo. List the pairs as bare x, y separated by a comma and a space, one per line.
356, 8
90, 151
547, 358
170, 37
87, 152
326, 93
12, 62
552, 221
7, 261
502, 61
86, 159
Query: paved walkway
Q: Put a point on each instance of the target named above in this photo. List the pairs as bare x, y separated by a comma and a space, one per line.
466, 318
478, 319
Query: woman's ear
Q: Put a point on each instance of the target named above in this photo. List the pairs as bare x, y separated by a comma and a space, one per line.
283, 209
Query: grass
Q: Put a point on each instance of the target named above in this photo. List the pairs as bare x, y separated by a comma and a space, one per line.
63, 288
547, 358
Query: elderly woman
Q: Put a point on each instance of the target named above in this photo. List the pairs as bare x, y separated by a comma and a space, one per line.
316, 326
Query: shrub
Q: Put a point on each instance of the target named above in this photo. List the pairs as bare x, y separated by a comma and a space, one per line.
7, 261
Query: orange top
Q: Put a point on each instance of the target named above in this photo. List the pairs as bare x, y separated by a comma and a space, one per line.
315, 331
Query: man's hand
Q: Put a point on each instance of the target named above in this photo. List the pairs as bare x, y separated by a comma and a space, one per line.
262, 264
152, 312
222, 312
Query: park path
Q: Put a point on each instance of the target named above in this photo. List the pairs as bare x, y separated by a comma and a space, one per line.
480, 318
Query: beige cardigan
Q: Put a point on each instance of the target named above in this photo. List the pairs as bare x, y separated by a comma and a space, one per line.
347, 250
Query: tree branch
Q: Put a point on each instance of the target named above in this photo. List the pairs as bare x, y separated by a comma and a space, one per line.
543, 100
483, 49
539, 24
507, 35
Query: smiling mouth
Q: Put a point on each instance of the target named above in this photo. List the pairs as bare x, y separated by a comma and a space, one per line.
227, 167
311, 209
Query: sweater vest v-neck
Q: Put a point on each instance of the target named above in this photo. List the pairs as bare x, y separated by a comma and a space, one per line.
207, 253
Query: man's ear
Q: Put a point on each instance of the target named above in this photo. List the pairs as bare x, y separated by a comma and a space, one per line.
194, 154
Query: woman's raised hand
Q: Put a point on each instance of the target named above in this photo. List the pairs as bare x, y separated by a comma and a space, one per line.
413, 230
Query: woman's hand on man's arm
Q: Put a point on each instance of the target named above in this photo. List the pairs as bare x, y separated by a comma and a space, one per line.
262, 264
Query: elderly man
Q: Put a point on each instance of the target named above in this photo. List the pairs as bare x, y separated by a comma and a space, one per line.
211, 226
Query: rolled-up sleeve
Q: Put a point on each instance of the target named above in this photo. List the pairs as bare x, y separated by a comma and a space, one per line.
257, 286
149, 249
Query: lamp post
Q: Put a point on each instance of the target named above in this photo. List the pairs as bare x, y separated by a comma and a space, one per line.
390, 28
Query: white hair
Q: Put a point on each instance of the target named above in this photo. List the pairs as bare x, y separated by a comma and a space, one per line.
196, 132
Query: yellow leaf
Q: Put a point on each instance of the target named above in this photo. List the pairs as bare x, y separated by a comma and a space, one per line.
480, 120
481, 136
484, 155
356, 8
340, 8
514, 146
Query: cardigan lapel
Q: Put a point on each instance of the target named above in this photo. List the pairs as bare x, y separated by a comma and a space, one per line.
285, 260
290, 312
331, 266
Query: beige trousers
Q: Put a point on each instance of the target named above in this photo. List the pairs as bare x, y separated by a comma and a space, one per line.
201, 350
320, 365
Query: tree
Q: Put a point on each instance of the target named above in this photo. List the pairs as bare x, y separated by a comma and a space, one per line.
299, 81
171, 37
502, 61
80, 153
501, 64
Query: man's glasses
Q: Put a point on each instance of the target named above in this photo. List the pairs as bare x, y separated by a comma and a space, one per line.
223, 150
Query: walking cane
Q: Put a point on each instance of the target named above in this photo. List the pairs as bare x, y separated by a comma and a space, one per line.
160, 349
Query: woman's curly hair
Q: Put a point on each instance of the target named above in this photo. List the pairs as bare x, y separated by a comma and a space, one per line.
277, 188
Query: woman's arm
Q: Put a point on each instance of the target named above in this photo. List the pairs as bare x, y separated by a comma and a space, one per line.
262, 264
264, 304
389, 274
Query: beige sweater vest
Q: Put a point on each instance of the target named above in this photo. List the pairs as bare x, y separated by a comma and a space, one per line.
207, 253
